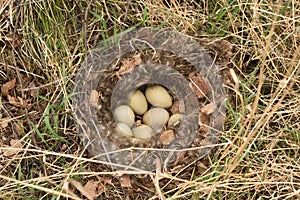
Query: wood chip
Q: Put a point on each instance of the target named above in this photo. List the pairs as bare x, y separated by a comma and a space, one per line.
198, 84
177, 107
64, 147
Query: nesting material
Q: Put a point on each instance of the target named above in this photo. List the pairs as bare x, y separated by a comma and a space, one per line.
175, 65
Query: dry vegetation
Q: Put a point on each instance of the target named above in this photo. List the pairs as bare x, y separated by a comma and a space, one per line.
43, 43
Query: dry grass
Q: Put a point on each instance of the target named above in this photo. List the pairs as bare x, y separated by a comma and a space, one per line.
43, 43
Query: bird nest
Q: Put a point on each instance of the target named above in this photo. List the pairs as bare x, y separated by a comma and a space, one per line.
134, 60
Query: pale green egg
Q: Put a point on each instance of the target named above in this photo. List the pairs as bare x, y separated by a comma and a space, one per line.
156, 118
174, 119
123, 129
124, 114
138, 102
142, 132
158, 96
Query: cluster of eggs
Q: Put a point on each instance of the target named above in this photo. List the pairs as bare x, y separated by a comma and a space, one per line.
146, 113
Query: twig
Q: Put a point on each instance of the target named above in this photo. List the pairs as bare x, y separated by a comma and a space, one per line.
126, 10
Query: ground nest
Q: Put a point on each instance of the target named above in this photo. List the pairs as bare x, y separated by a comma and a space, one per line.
138, 60
124, 66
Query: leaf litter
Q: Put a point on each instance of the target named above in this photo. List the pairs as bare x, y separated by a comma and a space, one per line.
8, 86
13, 149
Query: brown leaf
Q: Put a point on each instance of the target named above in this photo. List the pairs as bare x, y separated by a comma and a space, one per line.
177, 107
12, 151
125, 181
8, 86
180, 156
201, 165
18, 102
167, 137
13, 39
198, 84
129, 64
108, 181
4, 122
18, 127
204, 143
81, 189
64, 147
33, 90
91, 188
204, 122
15, 143
219, 121
223, 50
208, 109
101, 189
68, 189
